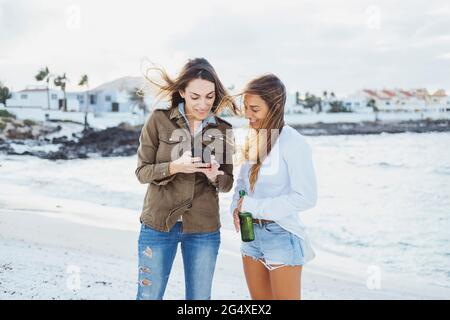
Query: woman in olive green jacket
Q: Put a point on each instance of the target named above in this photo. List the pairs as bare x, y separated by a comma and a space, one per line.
185, 157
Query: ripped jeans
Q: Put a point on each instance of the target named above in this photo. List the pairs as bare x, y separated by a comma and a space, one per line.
157, 252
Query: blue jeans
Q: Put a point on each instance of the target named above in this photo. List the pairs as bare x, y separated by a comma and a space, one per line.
157, 252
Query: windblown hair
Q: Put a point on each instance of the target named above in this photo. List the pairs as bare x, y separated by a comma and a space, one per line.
198, 68
259, 142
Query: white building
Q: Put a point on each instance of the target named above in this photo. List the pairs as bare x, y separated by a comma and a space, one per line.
399, 100
112, 96
38, 97
356, 102
439, 101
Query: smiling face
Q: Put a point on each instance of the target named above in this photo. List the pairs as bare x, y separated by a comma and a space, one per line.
199, 97
256, 110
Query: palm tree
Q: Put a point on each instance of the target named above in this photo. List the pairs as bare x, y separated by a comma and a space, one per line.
137, 97
311, 101
4, 94
61, 81
373, 104
84, 81
307, 95
45, 75
297, 98
337, 106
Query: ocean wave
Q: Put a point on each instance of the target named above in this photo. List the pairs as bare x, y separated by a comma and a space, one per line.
347, 240
405, 245
391, 165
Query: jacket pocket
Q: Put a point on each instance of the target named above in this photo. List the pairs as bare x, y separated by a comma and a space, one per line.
171, 146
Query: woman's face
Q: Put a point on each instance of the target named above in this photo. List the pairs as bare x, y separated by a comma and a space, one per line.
199, 96
256, 110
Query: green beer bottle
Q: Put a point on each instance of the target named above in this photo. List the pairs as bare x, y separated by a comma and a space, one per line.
246, 223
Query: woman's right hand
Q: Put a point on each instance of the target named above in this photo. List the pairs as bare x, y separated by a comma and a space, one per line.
187, 164
237, 225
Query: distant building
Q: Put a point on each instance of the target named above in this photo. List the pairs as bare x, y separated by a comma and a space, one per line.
399, 100
37, 97
112, 96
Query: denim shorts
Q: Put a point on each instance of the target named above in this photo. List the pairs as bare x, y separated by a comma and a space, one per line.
274, 246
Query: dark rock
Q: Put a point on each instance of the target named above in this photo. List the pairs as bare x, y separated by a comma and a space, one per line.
419, 126
26, 129
55, 155
123, 140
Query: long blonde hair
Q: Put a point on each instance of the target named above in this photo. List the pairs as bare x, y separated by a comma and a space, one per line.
259, 142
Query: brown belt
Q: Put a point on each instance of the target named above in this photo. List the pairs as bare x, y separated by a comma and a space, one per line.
262, 221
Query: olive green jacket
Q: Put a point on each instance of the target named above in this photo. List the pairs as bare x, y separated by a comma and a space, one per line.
192, 196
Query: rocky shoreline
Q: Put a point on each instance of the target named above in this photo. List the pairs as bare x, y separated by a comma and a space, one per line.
373, 127
123, 140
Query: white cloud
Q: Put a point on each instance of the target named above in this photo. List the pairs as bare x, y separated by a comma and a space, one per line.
311, 45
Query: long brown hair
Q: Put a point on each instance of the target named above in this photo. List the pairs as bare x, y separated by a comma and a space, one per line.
198, 68
270, 88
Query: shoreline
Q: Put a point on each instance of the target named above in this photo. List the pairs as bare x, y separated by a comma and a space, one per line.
373, 127
123, 140
72, 260
60, 231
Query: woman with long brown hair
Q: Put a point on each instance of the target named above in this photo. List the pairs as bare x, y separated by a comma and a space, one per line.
279, 180
181, 157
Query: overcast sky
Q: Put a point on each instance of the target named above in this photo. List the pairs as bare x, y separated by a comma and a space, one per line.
339, 46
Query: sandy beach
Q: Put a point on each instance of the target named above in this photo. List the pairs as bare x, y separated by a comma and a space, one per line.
71, 247
40, 255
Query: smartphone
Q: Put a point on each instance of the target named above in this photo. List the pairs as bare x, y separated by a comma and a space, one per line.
203, 153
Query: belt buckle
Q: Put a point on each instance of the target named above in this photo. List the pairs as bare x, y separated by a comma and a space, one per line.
260, 223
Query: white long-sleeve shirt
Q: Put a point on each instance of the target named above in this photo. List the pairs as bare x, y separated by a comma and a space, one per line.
286, 186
